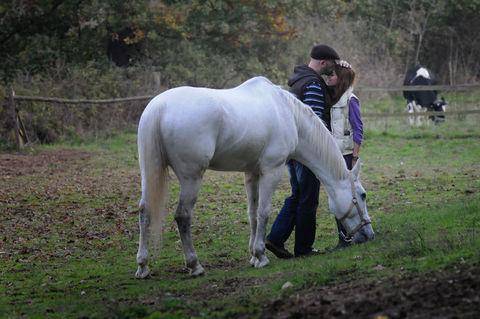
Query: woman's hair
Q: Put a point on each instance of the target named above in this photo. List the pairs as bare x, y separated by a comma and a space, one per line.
345, 79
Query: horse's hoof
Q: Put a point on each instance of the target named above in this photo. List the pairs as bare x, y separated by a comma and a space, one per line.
261, 262
197, 271
253, 260
142, 272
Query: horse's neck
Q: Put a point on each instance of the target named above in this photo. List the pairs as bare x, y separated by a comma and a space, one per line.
318, 151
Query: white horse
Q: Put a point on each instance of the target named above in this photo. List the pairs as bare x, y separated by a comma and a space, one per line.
253, 128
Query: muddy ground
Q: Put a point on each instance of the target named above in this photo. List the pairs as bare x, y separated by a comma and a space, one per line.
451, 293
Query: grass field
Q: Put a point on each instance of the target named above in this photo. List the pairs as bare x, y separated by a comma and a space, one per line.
68, 236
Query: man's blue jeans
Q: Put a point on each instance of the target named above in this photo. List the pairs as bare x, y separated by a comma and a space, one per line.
298, 211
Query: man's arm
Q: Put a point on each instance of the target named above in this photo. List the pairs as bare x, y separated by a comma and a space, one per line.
315, 98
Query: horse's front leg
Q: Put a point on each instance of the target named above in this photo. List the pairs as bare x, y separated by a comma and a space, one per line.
188, 196
251, 188
267, 184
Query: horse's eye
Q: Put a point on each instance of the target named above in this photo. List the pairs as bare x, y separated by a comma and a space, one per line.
364, 196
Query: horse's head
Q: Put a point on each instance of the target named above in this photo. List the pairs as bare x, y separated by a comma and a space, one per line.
349, 205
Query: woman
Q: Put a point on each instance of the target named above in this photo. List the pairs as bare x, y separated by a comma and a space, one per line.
346, 121
346, 124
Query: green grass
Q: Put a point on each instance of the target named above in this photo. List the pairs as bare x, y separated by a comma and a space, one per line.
69, 233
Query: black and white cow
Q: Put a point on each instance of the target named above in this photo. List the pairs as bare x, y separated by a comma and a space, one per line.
418, 101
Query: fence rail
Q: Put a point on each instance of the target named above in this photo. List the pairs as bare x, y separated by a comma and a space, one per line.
81, 101
22, 137
405, 114
460, 87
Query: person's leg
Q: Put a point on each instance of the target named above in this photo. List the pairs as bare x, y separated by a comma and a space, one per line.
305, 221
283, 225
348, 160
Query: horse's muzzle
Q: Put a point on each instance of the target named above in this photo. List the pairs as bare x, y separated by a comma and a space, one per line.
364, 234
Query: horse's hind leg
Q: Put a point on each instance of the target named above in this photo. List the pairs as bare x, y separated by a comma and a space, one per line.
142, 254
189, 188
251, 188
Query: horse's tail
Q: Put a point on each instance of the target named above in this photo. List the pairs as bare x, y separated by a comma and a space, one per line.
154, 171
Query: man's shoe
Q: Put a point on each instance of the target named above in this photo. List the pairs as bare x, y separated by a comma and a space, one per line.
313, 252
280, 252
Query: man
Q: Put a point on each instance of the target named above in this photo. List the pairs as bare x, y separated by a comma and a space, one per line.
299, 210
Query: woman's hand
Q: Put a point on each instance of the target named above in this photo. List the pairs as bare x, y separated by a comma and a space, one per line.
343, 63
354, 160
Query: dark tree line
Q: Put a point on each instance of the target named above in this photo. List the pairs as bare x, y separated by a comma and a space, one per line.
218, 42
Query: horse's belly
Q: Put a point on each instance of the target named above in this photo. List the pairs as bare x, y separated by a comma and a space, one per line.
236, 160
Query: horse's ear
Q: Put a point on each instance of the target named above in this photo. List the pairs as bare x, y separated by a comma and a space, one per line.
356, 170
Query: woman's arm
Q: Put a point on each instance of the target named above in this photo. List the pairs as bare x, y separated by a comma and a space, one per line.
356, 123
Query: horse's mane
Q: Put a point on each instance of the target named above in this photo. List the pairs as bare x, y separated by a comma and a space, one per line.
316, 132
317, 135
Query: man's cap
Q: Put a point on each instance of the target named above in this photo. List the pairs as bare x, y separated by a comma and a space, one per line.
323, 52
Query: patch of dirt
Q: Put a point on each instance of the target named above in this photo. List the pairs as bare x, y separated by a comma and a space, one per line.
225, 262
56, 193
218, 289
451, 293
12, 165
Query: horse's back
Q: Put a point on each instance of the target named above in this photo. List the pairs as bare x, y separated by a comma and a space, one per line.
221, 129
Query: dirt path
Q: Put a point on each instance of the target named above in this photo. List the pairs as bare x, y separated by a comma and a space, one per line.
452, 293
44, 162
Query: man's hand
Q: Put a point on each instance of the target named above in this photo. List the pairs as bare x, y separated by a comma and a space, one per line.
343, 63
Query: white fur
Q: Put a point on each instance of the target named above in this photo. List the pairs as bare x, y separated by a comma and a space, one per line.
253, 128
423, 73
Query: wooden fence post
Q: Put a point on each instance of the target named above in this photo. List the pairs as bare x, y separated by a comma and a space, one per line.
14, 118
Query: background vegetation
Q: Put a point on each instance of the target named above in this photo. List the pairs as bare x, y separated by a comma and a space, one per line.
219, 43
106, 49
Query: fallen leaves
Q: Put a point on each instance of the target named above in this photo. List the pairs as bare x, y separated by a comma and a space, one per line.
59, 203
287, 285
379, 267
